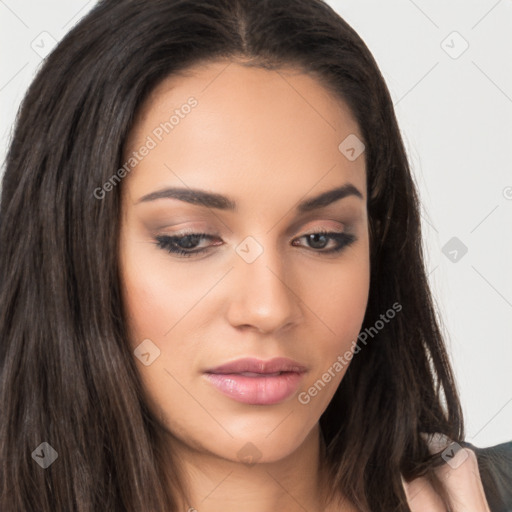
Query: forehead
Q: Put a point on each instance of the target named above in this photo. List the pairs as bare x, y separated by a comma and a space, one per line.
259, 125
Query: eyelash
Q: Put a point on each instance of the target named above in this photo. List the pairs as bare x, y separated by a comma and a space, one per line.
168, 243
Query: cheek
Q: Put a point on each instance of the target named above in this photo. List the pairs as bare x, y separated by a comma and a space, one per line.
338, 297
347, 305
147, 304
157, 296
154, 312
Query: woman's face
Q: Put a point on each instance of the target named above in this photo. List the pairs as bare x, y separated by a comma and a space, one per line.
250, 158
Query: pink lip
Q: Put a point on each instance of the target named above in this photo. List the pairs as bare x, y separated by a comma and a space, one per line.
257, 382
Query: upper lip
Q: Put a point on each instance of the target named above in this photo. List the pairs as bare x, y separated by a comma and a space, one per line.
248, 364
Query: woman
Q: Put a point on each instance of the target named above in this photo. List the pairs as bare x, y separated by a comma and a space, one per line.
214, 295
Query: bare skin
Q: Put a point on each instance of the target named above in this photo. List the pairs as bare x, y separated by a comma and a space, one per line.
267, 140
463, 483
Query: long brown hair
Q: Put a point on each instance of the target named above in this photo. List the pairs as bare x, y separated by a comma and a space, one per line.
68, 377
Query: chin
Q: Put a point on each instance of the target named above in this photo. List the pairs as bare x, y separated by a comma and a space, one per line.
262, 447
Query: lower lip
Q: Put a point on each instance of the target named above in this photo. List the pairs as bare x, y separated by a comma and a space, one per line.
256, 390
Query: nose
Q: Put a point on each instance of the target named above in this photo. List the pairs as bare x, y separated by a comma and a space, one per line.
266, 297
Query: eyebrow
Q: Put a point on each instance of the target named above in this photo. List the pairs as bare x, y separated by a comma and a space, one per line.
220, 202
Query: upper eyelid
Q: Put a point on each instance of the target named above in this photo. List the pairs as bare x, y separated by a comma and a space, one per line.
211, 236
207, 236
346, 218
214, 233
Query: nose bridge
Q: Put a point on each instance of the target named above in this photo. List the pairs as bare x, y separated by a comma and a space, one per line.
265, 296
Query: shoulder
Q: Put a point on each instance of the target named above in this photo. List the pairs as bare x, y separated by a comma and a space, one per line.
476, 479
495, 468
461, 480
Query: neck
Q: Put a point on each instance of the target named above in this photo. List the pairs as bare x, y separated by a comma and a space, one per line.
294, 483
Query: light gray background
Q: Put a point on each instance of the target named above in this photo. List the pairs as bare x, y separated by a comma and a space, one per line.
454, 107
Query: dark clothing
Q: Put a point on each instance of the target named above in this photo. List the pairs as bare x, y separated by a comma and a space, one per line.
495, 466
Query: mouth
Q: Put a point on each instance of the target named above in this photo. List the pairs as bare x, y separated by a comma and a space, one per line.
257, 382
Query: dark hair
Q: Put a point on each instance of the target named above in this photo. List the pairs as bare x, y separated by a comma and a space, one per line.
67, 375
